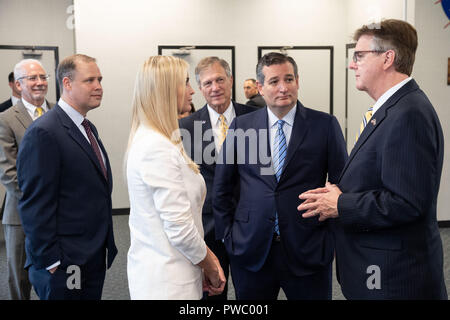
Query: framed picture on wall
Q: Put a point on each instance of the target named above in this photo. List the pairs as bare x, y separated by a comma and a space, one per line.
192, 55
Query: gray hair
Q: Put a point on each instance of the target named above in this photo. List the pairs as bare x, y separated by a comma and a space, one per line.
19, 68
209, 61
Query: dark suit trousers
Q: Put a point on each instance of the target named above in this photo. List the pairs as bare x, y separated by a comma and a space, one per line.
265, 284
18, 283
55, 286
218, 248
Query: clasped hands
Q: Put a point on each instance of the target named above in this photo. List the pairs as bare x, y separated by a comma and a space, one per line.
321, 202
213, 275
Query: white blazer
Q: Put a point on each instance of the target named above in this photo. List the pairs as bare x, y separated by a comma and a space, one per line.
166, 231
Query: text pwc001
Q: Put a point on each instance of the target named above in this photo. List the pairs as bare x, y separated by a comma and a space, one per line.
216, 311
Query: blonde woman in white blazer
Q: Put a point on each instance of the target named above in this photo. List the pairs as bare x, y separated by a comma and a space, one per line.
168, 258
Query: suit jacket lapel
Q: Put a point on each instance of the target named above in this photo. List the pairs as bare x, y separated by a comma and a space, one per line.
378, 118
76, 135
297, 135
262, 123
105, 154
238, 109
22, 114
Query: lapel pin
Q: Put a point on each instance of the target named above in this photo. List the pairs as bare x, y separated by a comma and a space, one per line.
373, 122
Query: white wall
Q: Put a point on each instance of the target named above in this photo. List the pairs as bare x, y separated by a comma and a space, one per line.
121, 36
43, 23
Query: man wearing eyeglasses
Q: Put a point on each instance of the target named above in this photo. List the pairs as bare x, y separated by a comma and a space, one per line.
31, 79
388, 244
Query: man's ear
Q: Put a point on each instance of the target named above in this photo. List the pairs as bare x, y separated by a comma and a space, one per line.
67, 84
389, 59
259, 87
18, 85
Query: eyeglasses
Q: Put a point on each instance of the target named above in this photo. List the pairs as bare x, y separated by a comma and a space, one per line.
43, 77
358, 55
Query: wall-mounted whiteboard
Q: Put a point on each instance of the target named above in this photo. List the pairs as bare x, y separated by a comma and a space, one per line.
315, 69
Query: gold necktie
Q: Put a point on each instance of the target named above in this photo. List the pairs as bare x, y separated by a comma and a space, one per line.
366, 119
223, 128
39, 111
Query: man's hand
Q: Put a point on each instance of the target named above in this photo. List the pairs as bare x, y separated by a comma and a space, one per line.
320, 201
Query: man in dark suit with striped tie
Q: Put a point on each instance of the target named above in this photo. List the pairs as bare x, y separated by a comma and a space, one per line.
275, 153
388, 244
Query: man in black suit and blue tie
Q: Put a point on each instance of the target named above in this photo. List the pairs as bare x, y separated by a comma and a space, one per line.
65, 177
274, 153
388, 244
204, 132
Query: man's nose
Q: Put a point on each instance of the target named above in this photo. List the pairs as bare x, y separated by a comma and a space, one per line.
282, 86
215, 85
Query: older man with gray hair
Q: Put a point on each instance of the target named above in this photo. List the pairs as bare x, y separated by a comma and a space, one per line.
32, 80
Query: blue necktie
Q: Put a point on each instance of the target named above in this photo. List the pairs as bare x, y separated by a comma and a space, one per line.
279, 152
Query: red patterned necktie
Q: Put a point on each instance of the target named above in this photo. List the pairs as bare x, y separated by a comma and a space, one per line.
87, 126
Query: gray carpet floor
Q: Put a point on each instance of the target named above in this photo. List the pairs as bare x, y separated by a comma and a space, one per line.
116, 284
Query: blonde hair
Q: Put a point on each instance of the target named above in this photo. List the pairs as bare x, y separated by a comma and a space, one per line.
155, 99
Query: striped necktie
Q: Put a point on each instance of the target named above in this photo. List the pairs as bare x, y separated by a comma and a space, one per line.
279, 151
87, 127
366, 119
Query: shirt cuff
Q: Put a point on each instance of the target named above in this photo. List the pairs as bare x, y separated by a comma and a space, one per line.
53, 265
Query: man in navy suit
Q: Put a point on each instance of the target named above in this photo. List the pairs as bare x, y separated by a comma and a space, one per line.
65, 176
388, 244
269, 244
202, 140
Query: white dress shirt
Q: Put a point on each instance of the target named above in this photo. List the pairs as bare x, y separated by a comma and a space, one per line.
78, 118
14, 100
32, 108
229, 115
388, 94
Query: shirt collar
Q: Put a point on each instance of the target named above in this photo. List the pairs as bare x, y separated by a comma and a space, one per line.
228, 114
14, 100
389, 94
288, 118
32, 108
73, 114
